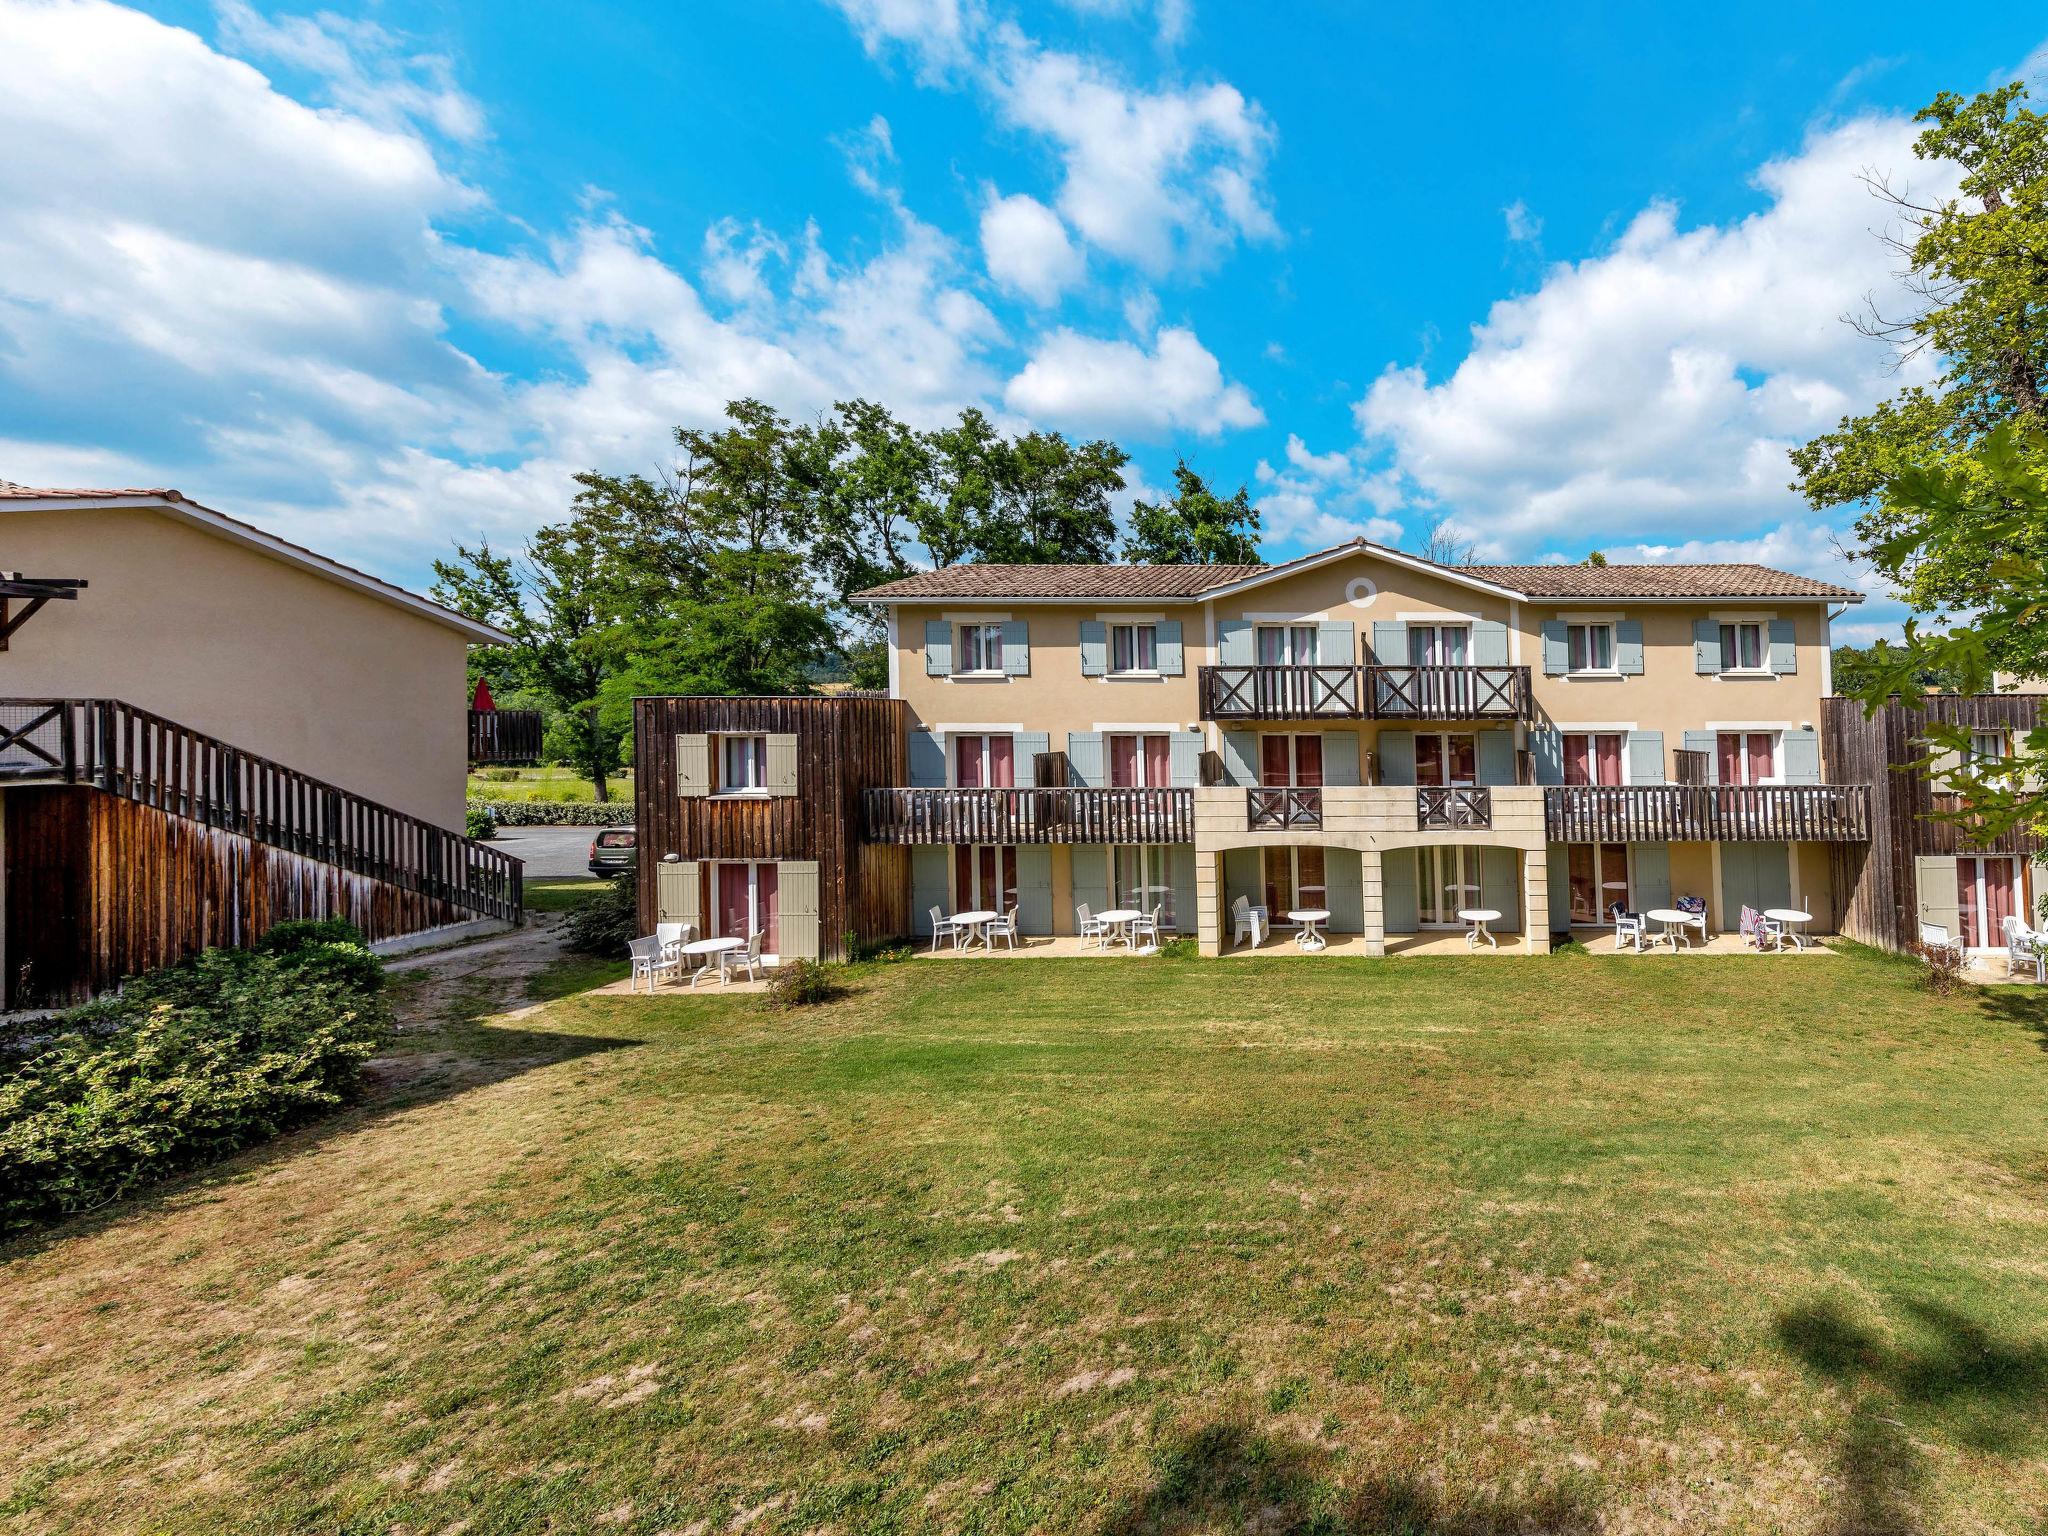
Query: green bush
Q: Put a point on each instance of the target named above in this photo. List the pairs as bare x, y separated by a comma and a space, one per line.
185, 1066
799, 984
477, 821
1182, 948
607, 920
549, 813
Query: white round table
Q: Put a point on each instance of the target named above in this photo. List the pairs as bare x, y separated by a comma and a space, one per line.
710, 949
1673, 920
976, 923
1479, 917
1791, 917
1121, 918
1308, 917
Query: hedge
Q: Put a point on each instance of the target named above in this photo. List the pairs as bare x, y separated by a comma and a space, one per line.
557, 813
185, 1066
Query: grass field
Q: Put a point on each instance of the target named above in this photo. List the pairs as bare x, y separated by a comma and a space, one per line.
564, 784
1565, 1244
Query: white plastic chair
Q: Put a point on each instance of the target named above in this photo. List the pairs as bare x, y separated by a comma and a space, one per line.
1086, 924
1004, 928
1934, 936
1146, 927
1695, 923
673, 937
1247, 922
1629, 928
648, 961
730, 960
944, 927
2023, 949
1761, 931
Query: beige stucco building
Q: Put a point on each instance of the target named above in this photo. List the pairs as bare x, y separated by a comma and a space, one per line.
242, 636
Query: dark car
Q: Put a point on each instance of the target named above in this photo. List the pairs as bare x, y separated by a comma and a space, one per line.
614, 851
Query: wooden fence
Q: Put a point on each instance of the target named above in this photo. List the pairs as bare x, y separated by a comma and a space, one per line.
1030, 815
1695, 813
504, 735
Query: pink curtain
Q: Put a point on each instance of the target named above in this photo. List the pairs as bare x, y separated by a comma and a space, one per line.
1728, 757
1429, 759
733, 918
1275, 770
1578, 760
1759, 758
1607, 749
1002, 772
1157, 769
968, 751
768, 913
1308, 761
1123, 762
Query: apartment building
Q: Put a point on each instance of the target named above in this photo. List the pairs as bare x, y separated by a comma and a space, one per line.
1362, 731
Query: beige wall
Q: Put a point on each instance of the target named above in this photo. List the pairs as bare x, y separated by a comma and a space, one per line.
268, 657
1667, 696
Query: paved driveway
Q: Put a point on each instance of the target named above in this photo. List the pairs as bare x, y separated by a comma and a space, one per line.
549, 852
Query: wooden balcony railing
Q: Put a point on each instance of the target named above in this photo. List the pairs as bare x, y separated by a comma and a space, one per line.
1365, 693
1706, 813
504, 735
1279, 809
129, 752
926, 816
1453, 809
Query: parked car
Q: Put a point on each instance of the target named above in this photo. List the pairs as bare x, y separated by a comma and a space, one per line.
614, 851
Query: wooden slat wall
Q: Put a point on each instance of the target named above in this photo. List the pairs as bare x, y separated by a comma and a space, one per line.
1874, 887
844, 746
99, 887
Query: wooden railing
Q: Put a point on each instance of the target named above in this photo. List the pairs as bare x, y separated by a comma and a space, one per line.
1704, 813
156, 762
1453, 809
1282, 809
925, 816
504, 735
1365, 693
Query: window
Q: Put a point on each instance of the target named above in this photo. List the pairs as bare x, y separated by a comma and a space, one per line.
984, 878
1598, 876
1592, 757
1746, 757
1439, 645
1589, 647
1295, 882
1291, 761
1988, 891
1446, 758
744, 903
1287, 645
1987, 746
1133, 648
742, 765
1140, 884
980, 648
1742, 647
984, 762
1445, 880
1137, 762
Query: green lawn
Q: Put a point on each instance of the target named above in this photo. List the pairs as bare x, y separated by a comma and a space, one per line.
1428, 1246
564, 784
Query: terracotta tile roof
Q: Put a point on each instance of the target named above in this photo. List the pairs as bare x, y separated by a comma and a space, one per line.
1658, 581
9, 491
1077, 581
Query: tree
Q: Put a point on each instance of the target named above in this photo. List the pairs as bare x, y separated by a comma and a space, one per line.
1443, 546
1195, 527
1856, 668
547, 601
1596, 558
1975, 269
1048, 500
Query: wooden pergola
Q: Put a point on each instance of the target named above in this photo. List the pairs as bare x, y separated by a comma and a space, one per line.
34, 591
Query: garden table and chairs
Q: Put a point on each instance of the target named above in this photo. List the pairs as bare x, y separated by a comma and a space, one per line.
1675, 923
973, 926
1788, 921
1119, 923
2024, 949
1308, 919
709, 951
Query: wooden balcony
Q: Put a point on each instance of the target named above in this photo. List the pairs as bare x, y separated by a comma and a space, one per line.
1453, 810
1286, 809
504, 736
1365, 693
945, 816
1706, 813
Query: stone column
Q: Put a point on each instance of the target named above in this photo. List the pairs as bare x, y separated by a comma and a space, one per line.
1375, 924
1209, 901
1536, 899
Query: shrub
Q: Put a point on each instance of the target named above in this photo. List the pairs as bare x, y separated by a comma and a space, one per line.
1182, 948
550, 813
477, 821
608, 920
186, 1066
1945, 965
799, 984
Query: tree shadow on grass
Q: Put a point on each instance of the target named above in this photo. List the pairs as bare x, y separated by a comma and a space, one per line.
2019, 1005
1229, 1477
1943, 1372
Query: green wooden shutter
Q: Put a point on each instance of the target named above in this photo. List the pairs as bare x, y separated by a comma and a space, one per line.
1557, 857
1628, 647
676, 888
1400, 911
1184, 759
1499, 885
1646, 757
1166, 649
1180, 879
1336, 643
1546, 747
1934, 885
1703, 741
1706, 647
693, 766
1340, 759
1344, 889
1094, 648
1489, 643
1025, 747
1397, 757
1652, 875
927, 887
1496, 751
1234, 646
796, 906
1557, 651
1084, 759
1240, 757
1389, 643
1034, 888
1802, 757
927, 760
938, 648
1784, 655
781, 772
1016, 648
1242, 876
1091, 878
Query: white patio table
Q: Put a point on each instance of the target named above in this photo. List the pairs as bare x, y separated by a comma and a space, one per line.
1791, 917
1119, 918
974, 925
1673, 920
1308, 917
1479, 917
709, 950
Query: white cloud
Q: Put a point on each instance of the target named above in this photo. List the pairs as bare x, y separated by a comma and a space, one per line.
1026, 248
1325, 466
1656, 387
1169, 17
935, 31
1117, 386
1524, 227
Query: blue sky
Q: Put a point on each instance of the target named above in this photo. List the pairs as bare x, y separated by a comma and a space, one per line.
383, 277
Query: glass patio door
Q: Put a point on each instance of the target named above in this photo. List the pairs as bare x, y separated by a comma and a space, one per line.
1140, 881
1987, 893
1294, 881
1599, 878
984, 878
746, 903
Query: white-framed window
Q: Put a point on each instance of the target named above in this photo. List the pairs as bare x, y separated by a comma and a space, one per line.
1295, 881
742, 765
1133, 649
1439, 645
1139, 760
1447, 879
1747, 757
984, 877
1989, 745
1446, 758
1291, 761
1745, 645
1595, 757
1139, 875
979, 649
1286, 645
1589, 647
984, 761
